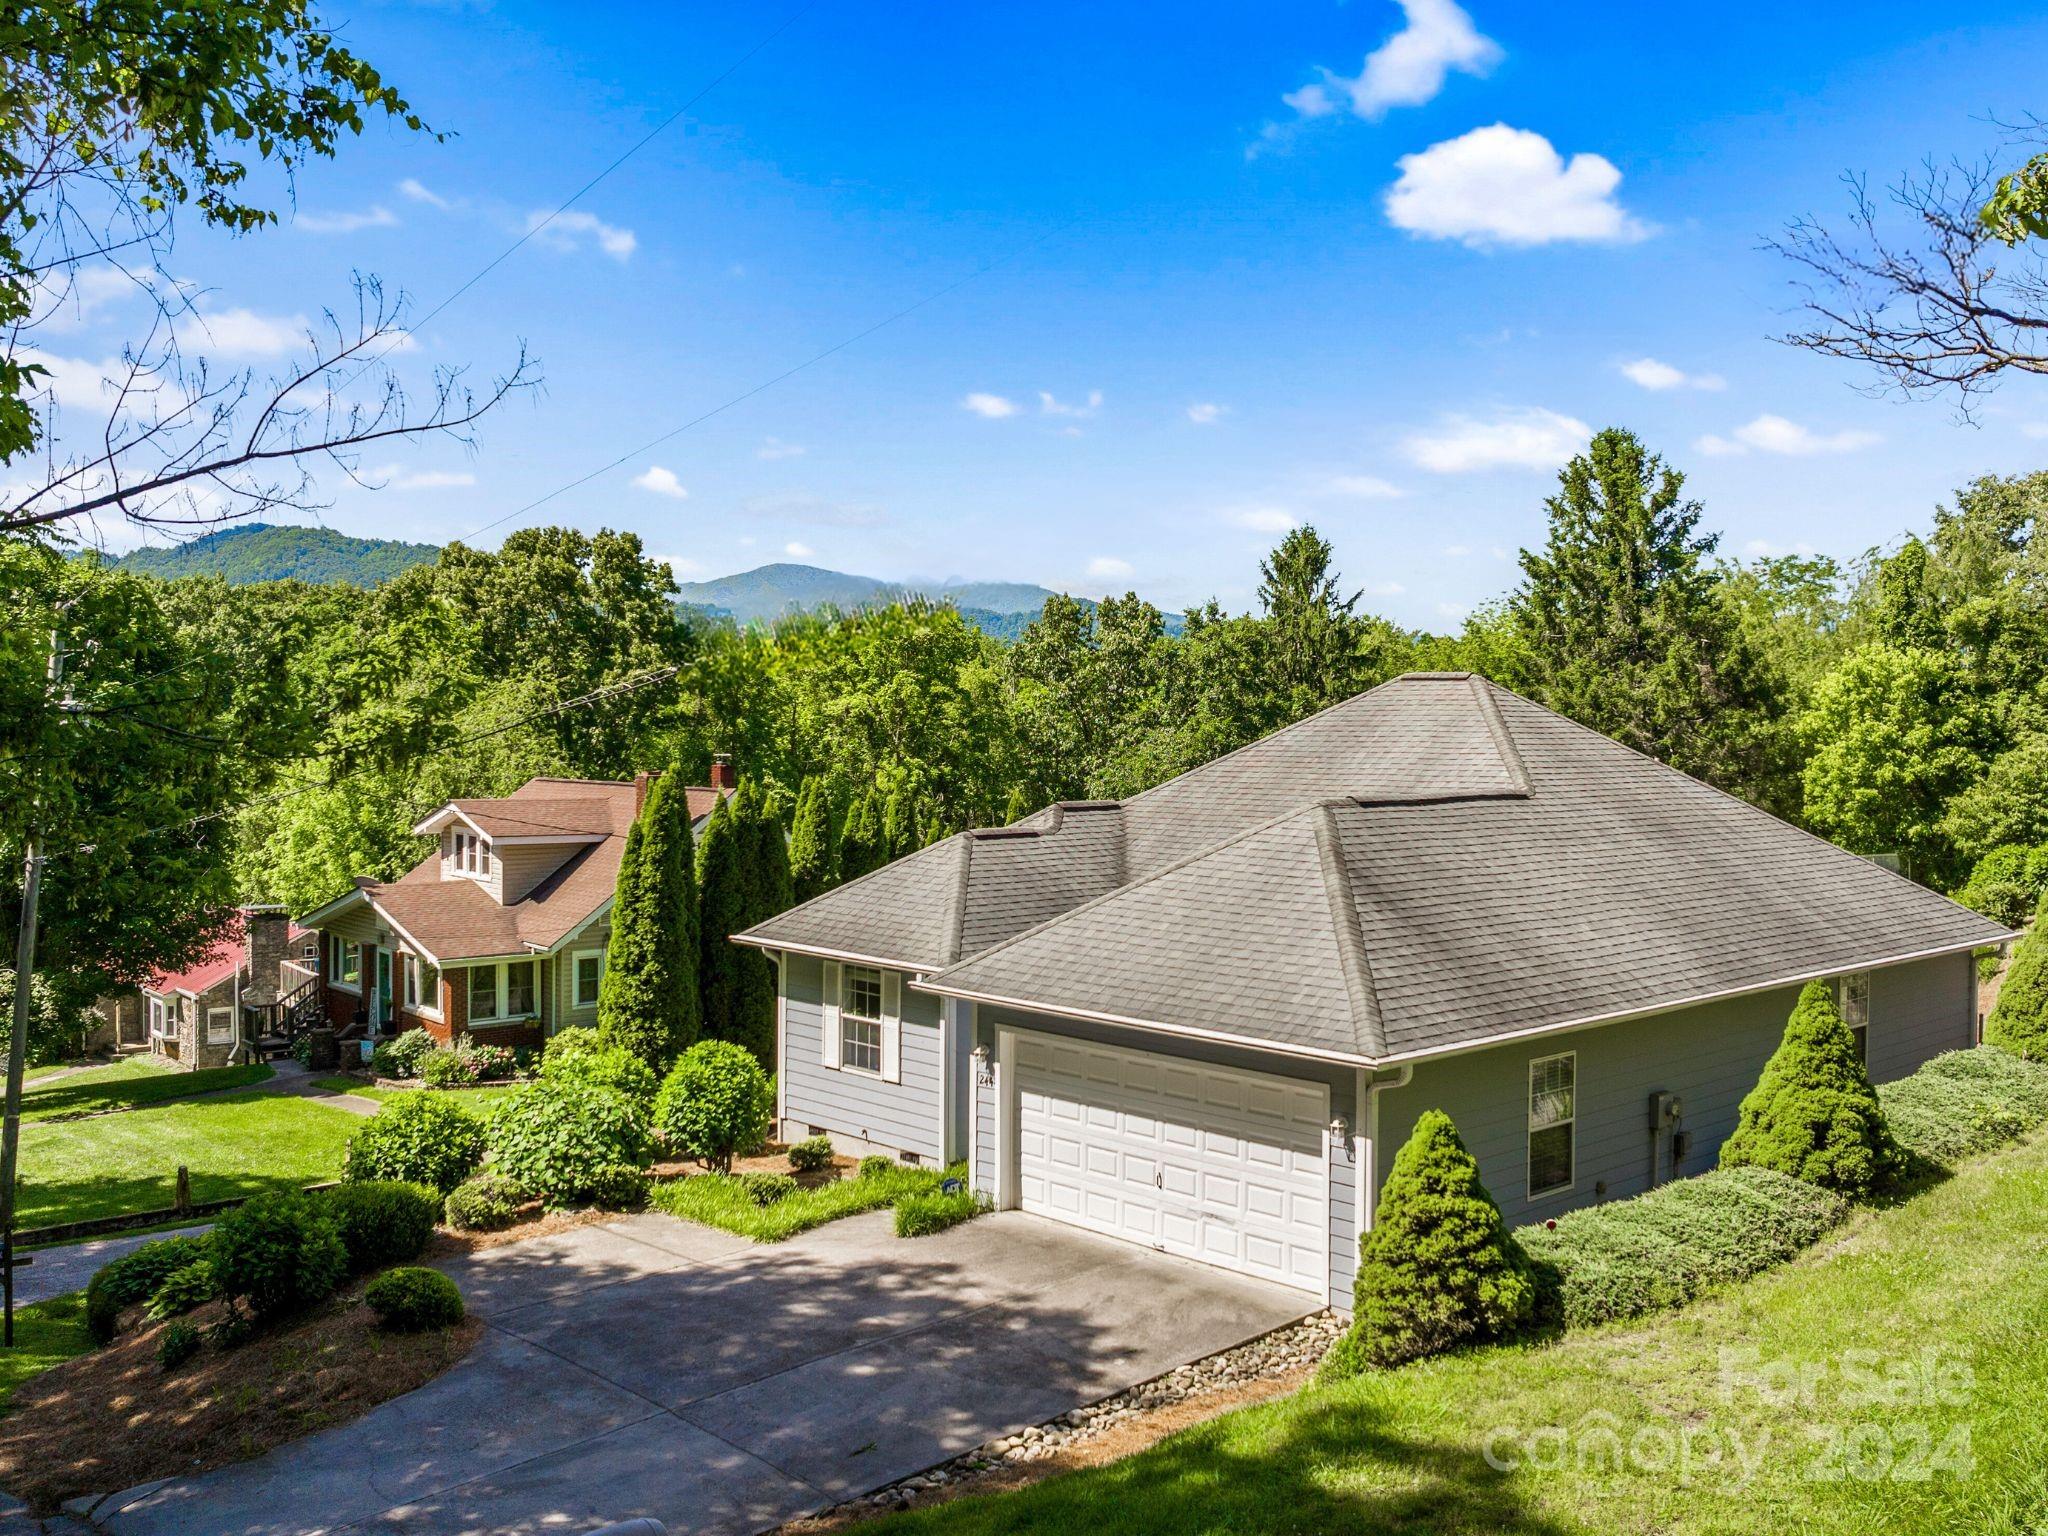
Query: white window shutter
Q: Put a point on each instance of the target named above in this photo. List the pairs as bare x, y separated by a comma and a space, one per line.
892, 1027
828, 1014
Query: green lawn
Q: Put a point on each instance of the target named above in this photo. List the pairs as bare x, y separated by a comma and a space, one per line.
74, 1170
472, 1098
718, 1201
1938, 1429
46, 1333
129, 1084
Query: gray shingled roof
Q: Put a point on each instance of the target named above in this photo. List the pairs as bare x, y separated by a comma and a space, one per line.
1428, 865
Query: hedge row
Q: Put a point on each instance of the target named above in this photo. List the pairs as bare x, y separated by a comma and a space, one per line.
1964, 1103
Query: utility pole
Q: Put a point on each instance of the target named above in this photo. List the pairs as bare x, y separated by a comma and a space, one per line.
17, 1044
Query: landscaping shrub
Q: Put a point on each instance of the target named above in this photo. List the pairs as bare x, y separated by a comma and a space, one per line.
179, 1343
1814, 1114
1438, 1268
302, 1050
1661, 1249
485, 1202
811, 1155
582, 1056
465, 1064
1965, 1102
421, 1138
922, 1215
560, 1139
715, 1103
875, 1166
621, 1187
135, 1277
412, 1300
182, 1290
2005, 885
767, 1188
2019, 1019
280, 1252
401, 1057
383, 1221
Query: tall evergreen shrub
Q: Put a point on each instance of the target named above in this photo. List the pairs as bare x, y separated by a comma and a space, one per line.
648, 1001
2019, 1019
721, 901
812, 850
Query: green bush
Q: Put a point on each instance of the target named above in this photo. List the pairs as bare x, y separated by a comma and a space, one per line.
467, 1063
412, 1300
581, 1056
280, 1252
715, 1103
1439, 1267
179, 1343
922, 1215
1965, 1102
876, 1166
484, 1202
561, 1139
182, 1290
810, 1155
401, 1057
383, 1221
134, 1277
1814, 1114
1661, 1249
621, 1187
767, 1188
2019, 1019
2003, 887
419, 1138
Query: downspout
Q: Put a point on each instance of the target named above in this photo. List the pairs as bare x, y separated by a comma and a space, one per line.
1370, 1086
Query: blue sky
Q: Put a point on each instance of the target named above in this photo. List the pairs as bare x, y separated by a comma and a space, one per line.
1356, 265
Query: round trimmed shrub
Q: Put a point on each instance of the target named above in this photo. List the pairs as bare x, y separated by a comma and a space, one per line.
582, 1056
560, 1139
180, 1342
715, 1103
1813, 1113
383, 1221
484, 1202
1439, 1268
135, 1277
620, 1187
279, 1252
421, 1138
402, 1056
411, 1300
874, 1166
810, 1155
2019, 1019
767, 1188
182, 1290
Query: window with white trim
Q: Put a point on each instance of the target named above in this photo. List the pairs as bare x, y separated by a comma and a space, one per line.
1852, 997
422, 983
157, 1021
220, 1026
1553, 1115
502, 991
348, 964
470, 854
860, 1019
588, 972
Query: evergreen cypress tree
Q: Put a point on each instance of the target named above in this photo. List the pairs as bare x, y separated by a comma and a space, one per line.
1017, 809
859, 843
721, 899
812, 854
765, 853
899, 834
2019, 1019
1813, 1113
1439, 1267
647, 1001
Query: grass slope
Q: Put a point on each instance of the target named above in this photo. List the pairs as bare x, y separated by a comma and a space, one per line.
46, 1333
718, 1200
1457, 1444
131, 1084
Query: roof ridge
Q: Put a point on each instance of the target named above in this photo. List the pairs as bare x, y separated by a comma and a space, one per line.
1349, 929
955, 922
1497, 726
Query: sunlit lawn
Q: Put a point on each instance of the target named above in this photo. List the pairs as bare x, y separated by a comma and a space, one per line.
129, 1084
46, 1333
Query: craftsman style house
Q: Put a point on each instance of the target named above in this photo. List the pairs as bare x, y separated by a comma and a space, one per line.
1203, 1019
500, 931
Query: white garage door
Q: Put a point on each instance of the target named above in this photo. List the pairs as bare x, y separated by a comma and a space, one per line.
1206, 1162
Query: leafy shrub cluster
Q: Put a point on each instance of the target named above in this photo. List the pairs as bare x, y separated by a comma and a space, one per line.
135, 1277
484, 1202
922, 1215
467, 1063
1663, 1248
383, 1221
419, 1138
179, 1343
182, 1290
279, 1252
715, 1104
767, 1188
582, 1056
876, 1166
2019, 1019
1964, 1103
565, 1141
402, 1056
2008, 884
413, 1300
810, 1155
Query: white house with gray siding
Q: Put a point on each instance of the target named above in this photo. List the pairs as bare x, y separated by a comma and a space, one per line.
1204, 1018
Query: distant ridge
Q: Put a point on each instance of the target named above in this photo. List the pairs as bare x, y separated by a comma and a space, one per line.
771, 592
268, 552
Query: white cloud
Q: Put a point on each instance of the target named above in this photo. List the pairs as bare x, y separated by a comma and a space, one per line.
681, 565
420, 194
433, 480
1457, 613
802, 507
566, 232
776, 448
1206, 413
75, 383
662, 482
1651, 374
244, 333
1364, 487
1508, 186
1457, 551
797, 551
88, 293
1109, 568
1408, 69
1775, 434
1525, 439
1053, 407
1263, 519
2035, 429
346, 223
1384, 589
991, 407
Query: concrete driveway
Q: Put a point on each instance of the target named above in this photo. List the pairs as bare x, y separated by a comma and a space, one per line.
654, 1367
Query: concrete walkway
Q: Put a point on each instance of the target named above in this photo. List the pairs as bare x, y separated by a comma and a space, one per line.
652, 1367
69, 1267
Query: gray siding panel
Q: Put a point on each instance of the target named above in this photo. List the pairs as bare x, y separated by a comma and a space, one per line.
1711, 1056
902, 1116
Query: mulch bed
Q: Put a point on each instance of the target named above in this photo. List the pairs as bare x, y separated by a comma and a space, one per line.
114, 1418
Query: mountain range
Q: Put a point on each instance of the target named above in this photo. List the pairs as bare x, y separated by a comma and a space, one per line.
266, 552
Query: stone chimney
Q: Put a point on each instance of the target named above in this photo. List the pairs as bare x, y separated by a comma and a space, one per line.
722, 776
266, 931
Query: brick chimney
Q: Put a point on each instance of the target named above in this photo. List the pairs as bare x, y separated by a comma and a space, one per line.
267, 932
640, 782
722, 776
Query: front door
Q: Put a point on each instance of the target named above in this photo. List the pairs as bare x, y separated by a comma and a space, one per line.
380, 998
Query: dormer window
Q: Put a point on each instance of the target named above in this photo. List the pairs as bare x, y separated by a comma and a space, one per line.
472, 854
